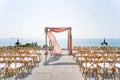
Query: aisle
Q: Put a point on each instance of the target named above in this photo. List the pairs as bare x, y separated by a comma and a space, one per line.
57, 68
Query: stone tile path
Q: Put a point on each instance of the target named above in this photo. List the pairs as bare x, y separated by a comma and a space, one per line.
60, 67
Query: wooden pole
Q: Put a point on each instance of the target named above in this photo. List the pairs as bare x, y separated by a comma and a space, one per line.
46, 42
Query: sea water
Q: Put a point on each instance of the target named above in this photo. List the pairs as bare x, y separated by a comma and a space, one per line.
62, 42
91, 42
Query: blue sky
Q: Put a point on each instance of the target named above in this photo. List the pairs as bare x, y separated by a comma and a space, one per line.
88, 18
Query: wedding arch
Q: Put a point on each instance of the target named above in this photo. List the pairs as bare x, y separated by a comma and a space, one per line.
50, 38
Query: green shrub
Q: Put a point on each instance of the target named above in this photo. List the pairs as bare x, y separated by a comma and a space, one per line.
29, 45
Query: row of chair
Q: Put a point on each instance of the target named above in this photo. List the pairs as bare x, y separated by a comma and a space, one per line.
17, 60
105, 60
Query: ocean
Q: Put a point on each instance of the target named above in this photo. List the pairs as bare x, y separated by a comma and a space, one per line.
62, 42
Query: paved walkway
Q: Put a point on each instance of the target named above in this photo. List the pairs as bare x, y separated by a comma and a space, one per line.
56, 68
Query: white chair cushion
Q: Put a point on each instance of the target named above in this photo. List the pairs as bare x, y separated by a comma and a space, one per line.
102, 65
1, 59
16, 65
28, 59
18, 59
117, 65
87, 65
2, 65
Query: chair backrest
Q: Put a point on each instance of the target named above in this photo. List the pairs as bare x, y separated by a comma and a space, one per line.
110, 58
91, 61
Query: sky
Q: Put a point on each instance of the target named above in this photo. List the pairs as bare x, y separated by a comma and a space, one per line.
88, 18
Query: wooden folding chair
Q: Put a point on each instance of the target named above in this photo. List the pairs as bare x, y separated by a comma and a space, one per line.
38, 53
107, 64
90, 64
26, 59
76, 52
117, 65
14, 66
80, 58
2, 67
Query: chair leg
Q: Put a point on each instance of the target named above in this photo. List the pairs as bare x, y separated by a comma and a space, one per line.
0, 75
96, 74
85, 75
92, 73
119, 73
114, 74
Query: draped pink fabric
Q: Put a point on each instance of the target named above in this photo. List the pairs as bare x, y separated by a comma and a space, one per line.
58, 29
57, 49
53, 40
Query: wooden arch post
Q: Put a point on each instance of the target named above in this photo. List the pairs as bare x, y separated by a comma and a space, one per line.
70, 41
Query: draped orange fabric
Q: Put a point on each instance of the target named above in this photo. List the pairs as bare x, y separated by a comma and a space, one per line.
62, 29
57, 49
